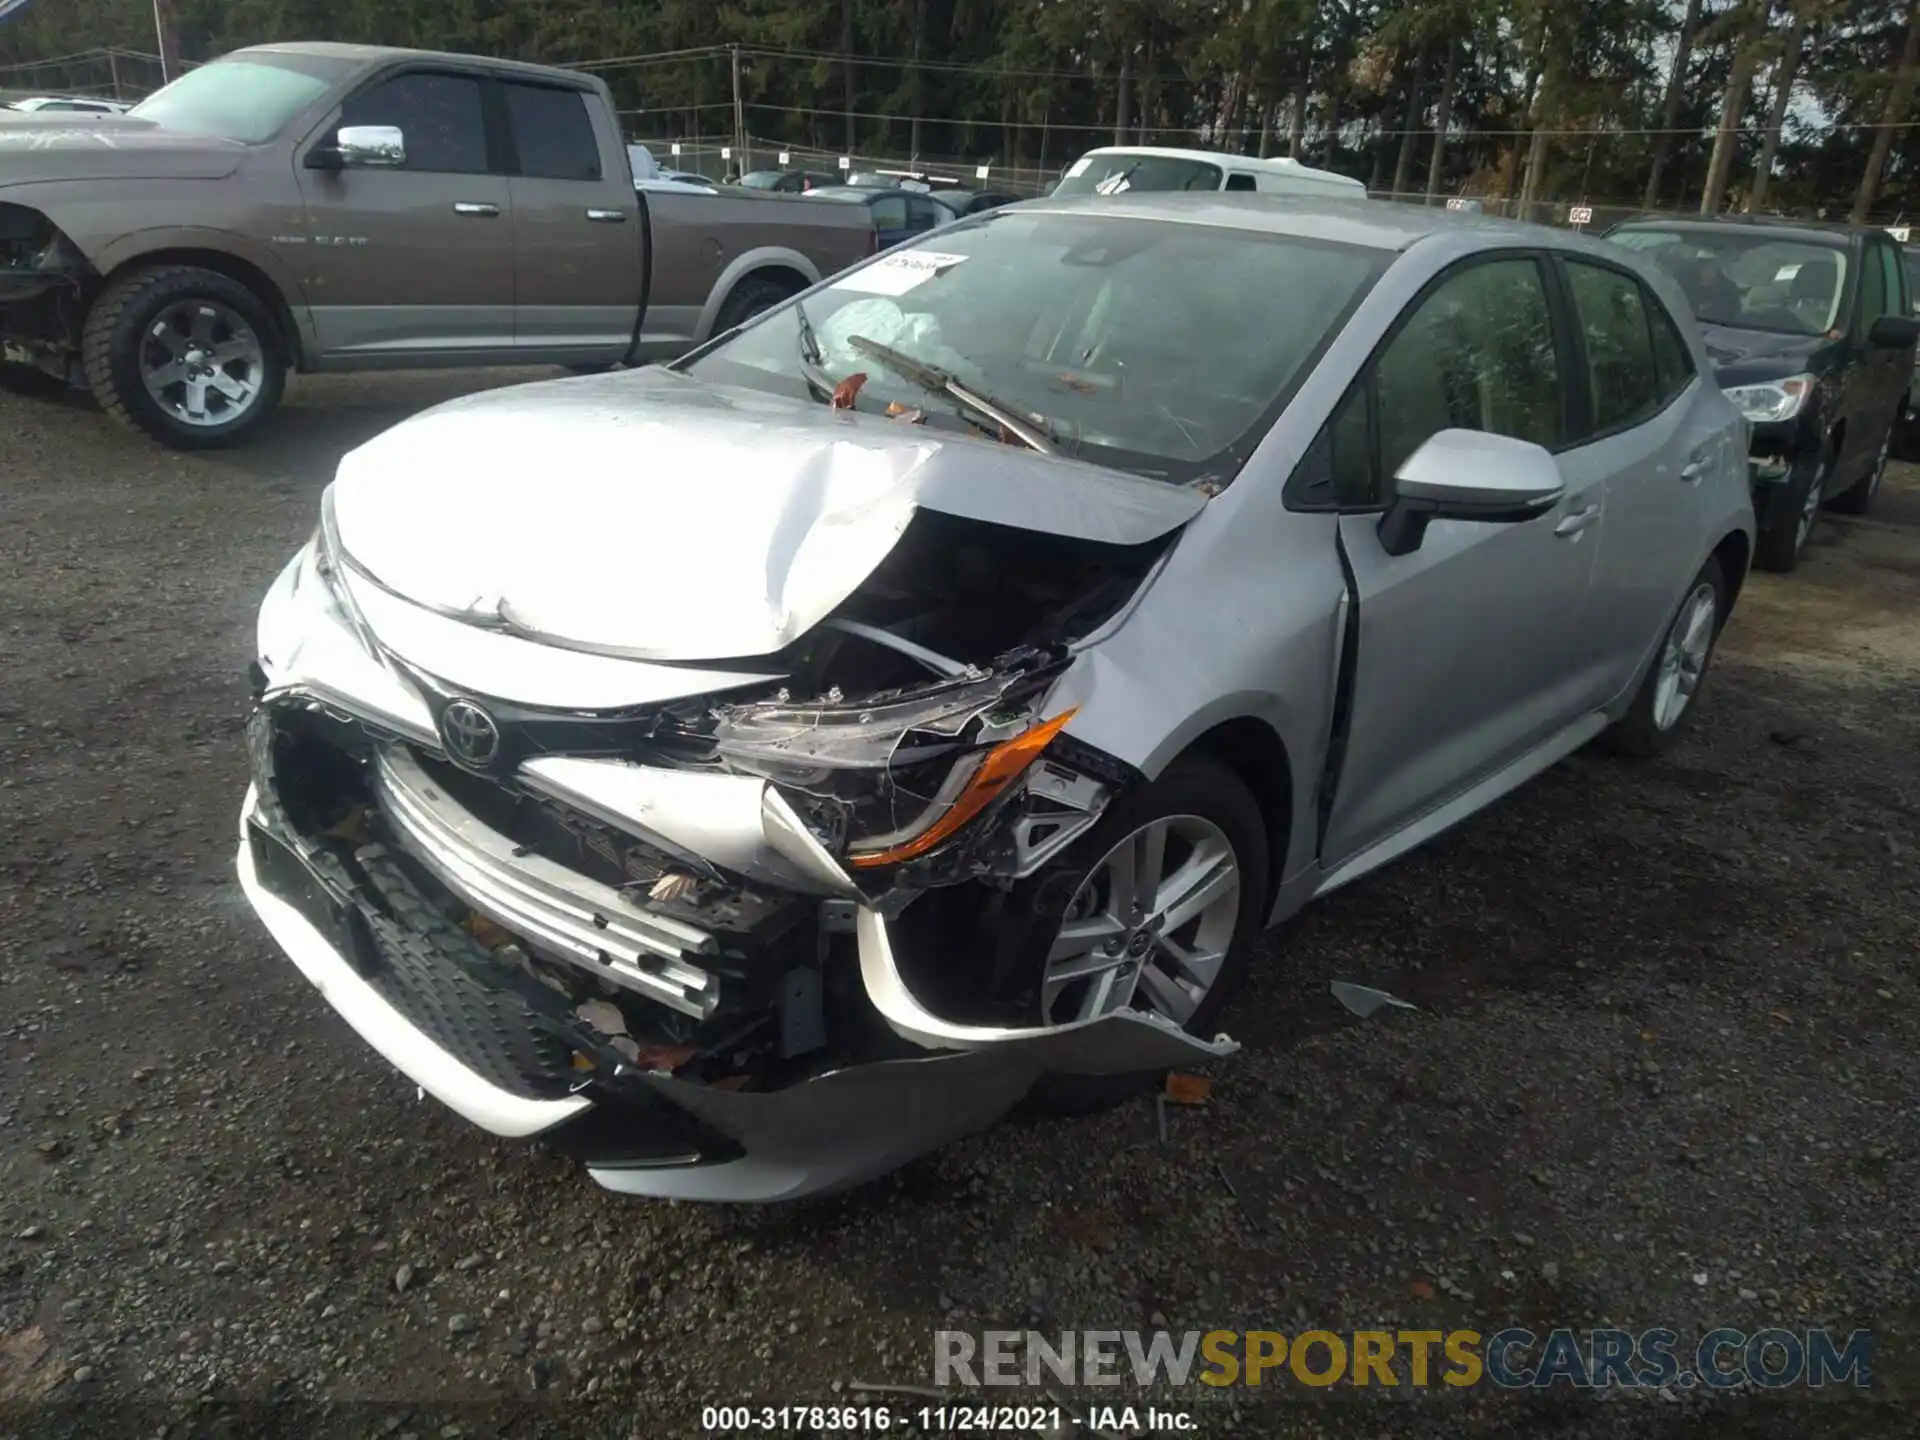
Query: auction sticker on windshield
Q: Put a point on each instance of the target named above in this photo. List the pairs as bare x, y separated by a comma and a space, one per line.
897, 274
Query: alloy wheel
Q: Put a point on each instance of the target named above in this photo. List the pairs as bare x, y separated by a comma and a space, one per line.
1683, 659
202, 363
1149, 927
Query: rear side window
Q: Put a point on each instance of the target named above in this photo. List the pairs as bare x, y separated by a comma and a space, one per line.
1622, 378
552, 133
439, 116
1240, 180
1672, 361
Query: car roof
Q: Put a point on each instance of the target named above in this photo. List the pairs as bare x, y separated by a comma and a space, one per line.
373, 54
1375, 224
1820, 232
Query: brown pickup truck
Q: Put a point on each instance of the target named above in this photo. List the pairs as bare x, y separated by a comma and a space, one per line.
322, 207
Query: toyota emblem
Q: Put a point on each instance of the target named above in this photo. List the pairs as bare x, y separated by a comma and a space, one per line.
470, 734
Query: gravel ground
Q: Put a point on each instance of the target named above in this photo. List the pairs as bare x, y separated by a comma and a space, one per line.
1663, 1072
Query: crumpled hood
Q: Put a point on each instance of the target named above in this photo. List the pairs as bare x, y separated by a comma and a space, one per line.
1743, 356
651, 515
67, 146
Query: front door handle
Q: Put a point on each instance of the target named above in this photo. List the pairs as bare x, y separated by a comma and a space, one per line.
611, 217
1692, 471
474, 207
1577, 521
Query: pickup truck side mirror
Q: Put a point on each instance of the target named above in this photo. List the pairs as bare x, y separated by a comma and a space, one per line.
361, 147
1468, 475
1894, 332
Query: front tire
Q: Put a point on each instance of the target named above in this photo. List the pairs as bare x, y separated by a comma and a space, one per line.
1157, 908
1858, 499
1778, 547
189, 356
1664, 704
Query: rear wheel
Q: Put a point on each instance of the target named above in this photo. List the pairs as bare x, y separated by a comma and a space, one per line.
1663, 706
190, 356
753, 296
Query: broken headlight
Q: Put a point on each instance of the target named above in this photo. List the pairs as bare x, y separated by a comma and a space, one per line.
888, 780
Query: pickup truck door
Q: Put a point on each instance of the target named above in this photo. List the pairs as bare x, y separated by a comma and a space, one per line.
578, 241
413, 264
1479, 646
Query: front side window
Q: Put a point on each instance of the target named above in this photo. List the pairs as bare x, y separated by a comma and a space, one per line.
1748, 279
1874, 297
552, 133
890, 212
1162, 348
1623, 382
1125, 173
440, 117
249, 99
1476, 354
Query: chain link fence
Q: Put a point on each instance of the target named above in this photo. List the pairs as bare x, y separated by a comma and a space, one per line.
130, 75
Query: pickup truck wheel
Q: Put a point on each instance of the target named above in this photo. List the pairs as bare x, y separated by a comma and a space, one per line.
187, 355
1663, 706
1163, 901
752, 296
1859, 499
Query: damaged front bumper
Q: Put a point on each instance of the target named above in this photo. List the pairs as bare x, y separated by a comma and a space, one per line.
508, 975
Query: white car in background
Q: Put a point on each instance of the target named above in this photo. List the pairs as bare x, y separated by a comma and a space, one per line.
40, 104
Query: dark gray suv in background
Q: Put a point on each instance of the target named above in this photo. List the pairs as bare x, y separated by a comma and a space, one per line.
1811, 332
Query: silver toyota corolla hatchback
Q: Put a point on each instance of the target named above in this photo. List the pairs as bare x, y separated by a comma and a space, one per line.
753, 772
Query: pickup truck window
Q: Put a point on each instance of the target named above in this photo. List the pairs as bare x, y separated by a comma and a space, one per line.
249, 100
552, 133
440, 116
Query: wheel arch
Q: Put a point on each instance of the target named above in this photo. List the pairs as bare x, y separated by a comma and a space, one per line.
236, 268
1253, 750
767, 262
1734, 554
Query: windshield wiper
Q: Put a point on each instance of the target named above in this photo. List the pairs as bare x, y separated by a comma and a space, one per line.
1033, 433
813, 363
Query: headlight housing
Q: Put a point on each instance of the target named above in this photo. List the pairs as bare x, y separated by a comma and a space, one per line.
887, 780
1772, 400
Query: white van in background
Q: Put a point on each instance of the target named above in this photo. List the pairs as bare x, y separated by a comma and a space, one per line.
1115, 169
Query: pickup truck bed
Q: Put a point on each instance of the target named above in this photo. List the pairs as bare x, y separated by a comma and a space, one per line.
365, 208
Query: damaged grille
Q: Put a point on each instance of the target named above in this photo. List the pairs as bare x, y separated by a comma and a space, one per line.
566, 914
739, 917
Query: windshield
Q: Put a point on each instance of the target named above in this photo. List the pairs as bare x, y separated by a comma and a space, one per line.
249, 100
1164, 349
1113, 174
1750, 280
1912, 261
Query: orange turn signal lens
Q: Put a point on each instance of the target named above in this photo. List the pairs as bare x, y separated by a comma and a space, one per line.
1004, 764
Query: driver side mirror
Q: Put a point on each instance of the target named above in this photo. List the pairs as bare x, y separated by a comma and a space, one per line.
361, 147
1894, 332
1468, 475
